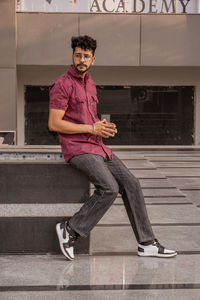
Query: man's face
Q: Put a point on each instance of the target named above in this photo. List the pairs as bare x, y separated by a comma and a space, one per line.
82, 60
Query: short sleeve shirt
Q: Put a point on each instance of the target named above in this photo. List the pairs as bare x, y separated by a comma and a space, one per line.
78, 98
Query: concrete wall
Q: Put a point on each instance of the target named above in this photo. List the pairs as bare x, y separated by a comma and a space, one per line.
7, 66
168, 40
132, 49
44, 39
123, 40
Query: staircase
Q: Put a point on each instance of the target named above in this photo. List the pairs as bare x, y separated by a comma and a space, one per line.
39, 189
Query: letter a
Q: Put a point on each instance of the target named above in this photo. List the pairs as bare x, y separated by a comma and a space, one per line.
95, 4
121, 5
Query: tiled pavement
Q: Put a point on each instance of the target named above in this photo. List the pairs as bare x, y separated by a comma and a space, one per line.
171, 184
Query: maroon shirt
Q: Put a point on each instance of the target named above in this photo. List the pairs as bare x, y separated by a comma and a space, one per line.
78, 98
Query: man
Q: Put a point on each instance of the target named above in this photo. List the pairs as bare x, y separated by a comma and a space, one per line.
73, 115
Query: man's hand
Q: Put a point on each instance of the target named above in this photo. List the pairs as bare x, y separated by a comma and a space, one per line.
104, 129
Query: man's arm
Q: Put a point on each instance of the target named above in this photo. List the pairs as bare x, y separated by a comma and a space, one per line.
101, 128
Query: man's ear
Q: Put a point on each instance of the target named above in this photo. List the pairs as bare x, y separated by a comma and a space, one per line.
93, 60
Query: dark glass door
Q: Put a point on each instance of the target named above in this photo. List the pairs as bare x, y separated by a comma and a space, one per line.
144, 115
149, 115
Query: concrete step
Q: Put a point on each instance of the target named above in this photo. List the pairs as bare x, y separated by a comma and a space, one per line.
179, 172
160, 200
176, 164
158, 214
40, 194
163, 192
153, 183
148, 174
118, 239
187, 183
138, 164
34, 235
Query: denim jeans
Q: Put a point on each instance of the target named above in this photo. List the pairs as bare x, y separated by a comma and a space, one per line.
110, 177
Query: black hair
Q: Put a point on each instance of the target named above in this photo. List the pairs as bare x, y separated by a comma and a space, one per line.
84, 42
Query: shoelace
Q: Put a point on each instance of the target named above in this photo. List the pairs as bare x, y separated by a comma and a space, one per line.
160, 247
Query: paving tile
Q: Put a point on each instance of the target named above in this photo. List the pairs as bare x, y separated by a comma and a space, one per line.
158, 214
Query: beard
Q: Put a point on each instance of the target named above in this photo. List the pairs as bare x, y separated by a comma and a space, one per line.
86, 68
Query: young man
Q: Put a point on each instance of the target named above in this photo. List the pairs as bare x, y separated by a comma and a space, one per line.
73, 115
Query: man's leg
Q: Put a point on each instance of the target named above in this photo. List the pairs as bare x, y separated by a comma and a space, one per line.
136, 209
133, 200
106, 190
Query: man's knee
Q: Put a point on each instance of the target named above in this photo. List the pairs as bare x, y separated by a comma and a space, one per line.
110, 190
133, 182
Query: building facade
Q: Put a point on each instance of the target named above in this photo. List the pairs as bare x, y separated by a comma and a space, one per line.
147, 67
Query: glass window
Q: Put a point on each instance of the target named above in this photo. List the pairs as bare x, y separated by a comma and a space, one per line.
144, 115
149, 115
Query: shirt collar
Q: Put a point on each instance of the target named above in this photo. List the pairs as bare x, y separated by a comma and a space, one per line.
72, 72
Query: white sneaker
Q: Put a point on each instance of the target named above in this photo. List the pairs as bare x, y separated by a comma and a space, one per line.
155, 249
66, 240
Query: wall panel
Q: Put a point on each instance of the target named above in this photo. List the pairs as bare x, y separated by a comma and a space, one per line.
7, 99
7, 34
170, 40
44, 39
117, 36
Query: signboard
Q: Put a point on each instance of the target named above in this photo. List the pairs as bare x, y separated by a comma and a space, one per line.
111, 6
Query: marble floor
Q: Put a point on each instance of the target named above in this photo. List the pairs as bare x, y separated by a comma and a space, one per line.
113, 271
99, 277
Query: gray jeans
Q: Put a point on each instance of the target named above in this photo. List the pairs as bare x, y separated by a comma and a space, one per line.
110, 177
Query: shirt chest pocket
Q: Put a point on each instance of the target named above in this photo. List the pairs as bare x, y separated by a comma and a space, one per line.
77, 103
93, 103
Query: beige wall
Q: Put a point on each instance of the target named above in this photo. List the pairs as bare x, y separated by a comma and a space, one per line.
132, 50
7, 66
123, 40
7, 99
118, 38
7, 34
44, 39
168, 40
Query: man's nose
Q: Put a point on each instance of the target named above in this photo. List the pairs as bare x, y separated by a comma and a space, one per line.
82, 58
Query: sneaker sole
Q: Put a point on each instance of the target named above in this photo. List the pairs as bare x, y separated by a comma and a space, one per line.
64, 252
157, 255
